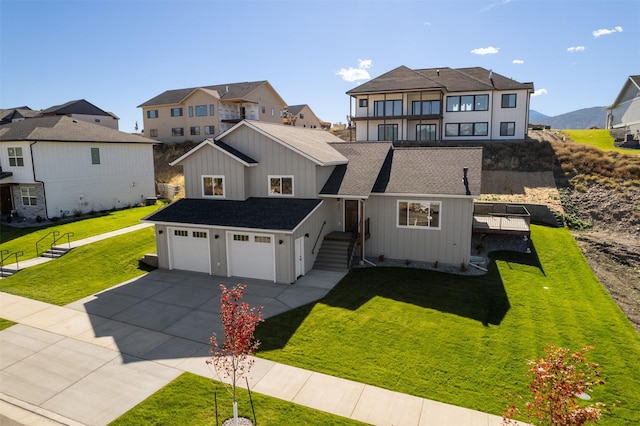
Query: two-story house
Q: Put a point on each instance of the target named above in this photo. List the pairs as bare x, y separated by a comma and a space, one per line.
301, 115
440, 104
58, 166
624, 112
83, 110
262, 199
195, 113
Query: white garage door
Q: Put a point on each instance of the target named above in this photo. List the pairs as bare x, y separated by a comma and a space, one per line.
189, 249
251, 255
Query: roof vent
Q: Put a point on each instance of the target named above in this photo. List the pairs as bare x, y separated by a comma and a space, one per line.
74, 120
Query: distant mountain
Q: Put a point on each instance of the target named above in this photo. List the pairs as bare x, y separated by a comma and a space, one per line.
581, 119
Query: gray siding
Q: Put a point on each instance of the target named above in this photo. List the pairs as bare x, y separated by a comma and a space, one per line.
274, 159
210, 161
451, 244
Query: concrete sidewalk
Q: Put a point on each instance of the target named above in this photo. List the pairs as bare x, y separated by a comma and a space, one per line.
93, 360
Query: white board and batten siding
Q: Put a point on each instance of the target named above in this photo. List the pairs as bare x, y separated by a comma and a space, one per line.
451, 244
275, 160
124, 177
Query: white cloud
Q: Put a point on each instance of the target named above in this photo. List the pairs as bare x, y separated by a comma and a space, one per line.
495, 4
352, 74
539, 92
604, 31
486, 50
575, 49
517, 61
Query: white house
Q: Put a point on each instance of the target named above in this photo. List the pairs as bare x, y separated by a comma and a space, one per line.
624, 113
58, 166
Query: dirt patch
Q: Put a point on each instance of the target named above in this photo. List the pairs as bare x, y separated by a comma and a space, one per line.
520, 187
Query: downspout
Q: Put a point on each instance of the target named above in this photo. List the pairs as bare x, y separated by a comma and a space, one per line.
33, 168
362, 232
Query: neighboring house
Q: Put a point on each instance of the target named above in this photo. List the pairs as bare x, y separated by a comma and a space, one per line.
85, 111
624, 113
440, 104
262, 197
11, 115
200, 112
301, 116
58, 166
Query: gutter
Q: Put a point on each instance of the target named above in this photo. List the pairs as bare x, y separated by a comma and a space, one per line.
33, 168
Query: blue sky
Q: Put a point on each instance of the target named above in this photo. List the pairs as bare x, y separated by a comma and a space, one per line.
118, 54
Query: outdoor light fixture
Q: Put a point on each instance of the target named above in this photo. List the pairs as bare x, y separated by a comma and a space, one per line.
280, 242
306, 235
216, 236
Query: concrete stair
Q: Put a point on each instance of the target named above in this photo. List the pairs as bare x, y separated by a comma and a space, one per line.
335, 254
55, 252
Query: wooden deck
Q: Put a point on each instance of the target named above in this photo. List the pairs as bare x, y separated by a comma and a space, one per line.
500, 225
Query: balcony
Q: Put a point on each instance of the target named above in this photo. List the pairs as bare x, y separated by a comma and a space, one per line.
398, 117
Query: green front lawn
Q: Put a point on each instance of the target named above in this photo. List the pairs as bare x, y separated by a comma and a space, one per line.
599, 138
84, 270
24, 239
465, 340
189, 400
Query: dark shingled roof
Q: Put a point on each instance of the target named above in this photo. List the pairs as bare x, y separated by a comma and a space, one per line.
235, 91
431, 171
279, 214
235, 152
60, 128
358, 177
444, 79
79, 106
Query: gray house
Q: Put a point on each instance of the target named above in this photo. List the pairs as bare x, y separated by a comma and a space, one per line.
263, 200
624, 113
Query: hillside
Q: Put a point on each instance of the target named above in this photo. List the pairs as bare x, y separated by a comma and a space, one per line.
585, 118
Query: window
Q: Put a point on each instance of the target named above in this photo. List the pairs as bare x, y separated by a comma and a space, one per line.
467, 103
466, 129
420, 214
209, 130
199, 234
509, 100
190, 111
425, 107
426, 132
95, 155
28, 194
152, 113
264, 110
180, 233
239, 237
280, 185
213, 186
260, 239
301, 116
176, 112
201, 110
177, 131
273, 112
97, 120
153, 133
15, 156
363, 103
194, 131
212, 109
387, 108
507, 128
387, 132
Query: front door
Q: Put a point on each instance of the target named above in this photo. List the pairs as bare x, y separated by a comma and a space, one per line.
350, 215
5, 199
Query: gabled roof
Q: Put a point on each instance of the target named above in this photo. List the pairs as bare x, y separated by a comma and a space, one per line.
358, 177
431, 171
226, 92
274, 214
445, 79
61, 128
295, 109
311, 144
79, 106
633, 80
221, 146
10, 114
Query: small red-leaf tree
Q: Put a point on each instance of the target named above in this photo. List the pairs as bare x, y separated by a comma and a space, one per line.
231, 359
558, 381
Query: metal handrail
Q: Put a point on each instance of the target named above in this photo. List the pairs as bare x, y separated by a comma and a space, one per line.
16, 254
66, 234
318, 237
55, 234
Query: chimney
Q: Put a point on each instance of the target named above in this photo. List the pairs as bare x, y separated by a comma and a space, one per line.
438, 72
465, 180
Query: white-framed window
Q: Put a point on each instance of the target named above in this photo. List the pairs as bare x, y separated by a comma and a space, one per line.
16, 158
213, 186
177, 131
201, 110
153, 133
468, 103
212, 109
199, 234
180, 233
466, 129
426, 132
240, 237
387, 132
95, 155
280, 186
190, 111
28, 195
418, 214
273, 112
262, 239
363, 103
194, 130
209, 130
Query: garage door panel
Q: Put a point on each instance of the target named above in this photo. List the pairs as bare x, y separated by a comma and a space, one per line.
189, 249
251, 255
